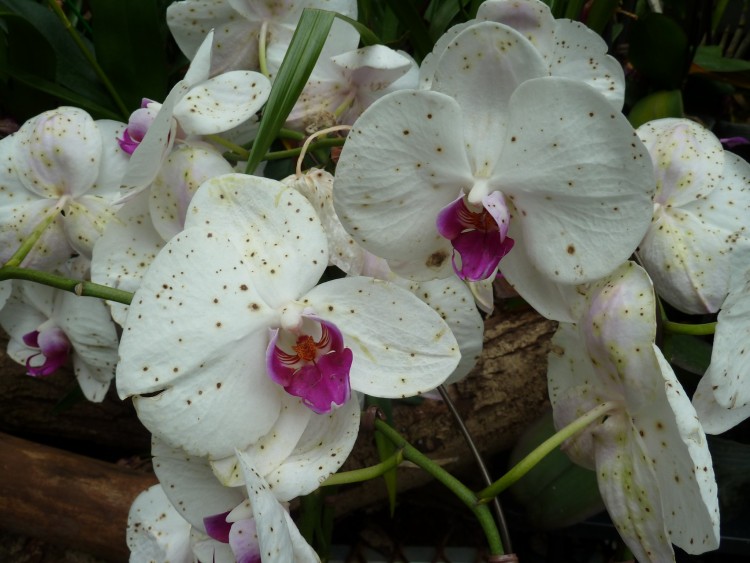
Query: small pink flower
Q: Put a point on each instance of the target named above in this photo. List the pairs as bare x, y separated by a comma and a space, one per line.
138, 124
313, 365
53, 346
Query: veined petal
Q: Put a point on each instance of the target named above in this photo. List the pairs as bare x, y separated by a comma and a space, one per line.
581, 54
481, 69
321, 451
156, 531
412, 134
184, 170
262, 210
59, 153
274, 527
222, 102
401, 346
190, 484
629, 488
84, 221
125, 250
580, 181
530, 18
198, 327
679, 452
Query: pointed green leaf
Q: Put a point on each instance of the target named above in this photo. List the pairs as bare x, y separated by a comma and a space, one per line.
295, 69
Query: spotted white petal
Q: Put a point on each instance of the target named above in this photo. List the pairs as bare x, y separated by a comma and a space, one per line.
401, 346
579, 178
258, 210
278, 536
156, 531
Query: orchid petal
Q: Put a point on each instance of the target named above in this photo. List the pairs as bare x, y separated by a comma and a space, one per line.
581, 54
321, 450
243, 539
582, 205
273, 527
59, 153
401, 346
190, 484
201, 304
414, 134
715, 418
125, 250
480, 69
84, 221
222, 103
264, 210
156, 532
530, 18
184, 170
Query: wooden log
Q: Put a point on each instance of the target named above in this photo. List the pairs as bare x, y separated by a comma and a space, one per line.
66, 498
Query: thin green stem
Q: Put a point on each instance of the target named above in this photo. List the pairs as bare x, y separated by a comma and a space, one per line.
236, 149
90, 58
291, 134
481, 511
691, 329
79, 287
366, 473
530, 461
34, 236
291, 153
262, 62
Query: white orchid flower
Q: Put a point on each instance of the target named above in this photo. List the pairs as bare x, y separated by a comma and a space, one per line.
48, 327
228, 319
569, 48
650, 452
60, 163
700, 214
497, 152
197, 105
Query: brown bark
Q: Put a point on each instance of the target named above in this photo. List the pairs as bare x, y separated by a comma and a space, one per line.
82, 502
66, 498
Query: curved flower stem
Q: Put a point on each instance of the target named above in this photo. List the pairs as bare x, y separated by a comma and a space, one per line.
35, 235
504, 533
691, 329
90, 58
262, 61
309, 140
322, 144
528, 463
366, 473
481, 511
79, 287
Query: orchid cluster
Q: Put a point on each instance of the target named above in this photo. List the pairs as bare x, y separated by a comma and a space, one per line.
264, 310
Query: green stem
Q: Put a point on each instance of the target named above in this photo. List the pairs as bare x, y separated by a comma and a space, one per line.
34, 236
291, 134
366, 473
90, 58
229, 145
692, 329
290, 153
79, 287
530, 461
481, 511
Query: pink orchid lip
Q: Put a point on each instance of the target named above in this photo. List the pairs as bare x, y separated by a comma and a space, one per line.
313, 364
138, 124
240, 535
479, 237
217, 527
53, 346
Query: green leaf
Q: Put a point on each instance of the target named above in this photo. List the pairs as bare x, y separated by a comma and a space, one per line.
295, 69
131, 48
411, 19
38, 45
709, 58
659, 50
601, 13
690, 353
666, 103
365, 33
442, 14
